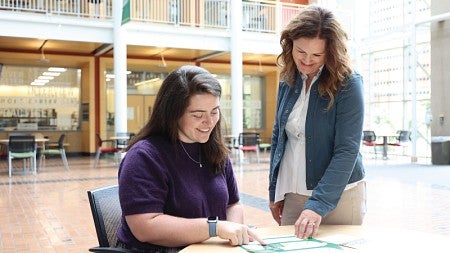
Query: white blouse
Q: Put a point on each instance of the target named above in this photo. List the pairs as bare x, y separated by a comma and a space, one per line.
292, 173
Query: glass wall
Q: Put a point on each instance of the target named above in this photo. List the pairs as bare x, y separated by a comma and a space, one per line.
39, 98
144, 85
386, 64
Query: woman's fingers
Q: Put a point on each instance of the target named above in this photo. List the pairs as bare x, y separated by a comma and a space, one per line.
307, 225
256, 237
276, 208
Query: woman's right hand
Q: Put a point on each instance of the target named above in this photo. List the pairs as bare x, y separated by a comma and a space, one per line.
276, 208
237, 233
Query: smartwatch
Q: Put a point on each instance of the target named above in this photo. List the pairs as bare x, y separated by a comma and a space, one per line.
212, 223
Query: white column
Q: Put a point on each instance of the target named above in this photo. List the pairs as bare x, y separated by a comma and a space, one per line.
120, 69
236, 68
412, 74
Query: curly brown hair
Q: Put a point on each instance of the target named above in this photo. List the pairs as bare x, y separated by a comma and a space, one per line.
317, 22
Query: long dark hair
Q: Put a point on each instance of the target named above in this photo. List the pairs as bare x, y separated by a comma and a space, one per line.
170, 105
317, 22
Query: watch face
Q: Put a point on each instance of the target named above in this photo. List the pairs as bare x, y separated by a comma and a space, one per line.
212, 219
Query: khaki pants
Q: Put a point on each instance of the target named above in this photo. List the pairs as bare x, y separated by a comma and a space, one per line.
350, 210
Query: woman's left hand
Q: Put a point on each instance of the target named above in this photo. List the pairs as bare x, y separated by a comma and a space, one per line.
307, 224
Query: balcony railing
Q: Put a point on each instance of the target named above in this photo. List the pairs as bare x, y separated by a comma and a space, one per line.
78, 8
257, 16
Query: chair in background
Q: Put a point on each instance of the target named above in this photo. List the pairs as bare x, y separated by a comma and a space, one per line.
370, 139
107, 214
249, 142
265, 144
22, 147
105, 147
3, 150
122, 143
55, 148
402, 140
39, 145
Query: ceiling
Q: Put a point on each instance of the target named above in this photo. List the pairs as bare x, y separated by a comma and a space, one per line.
46, 48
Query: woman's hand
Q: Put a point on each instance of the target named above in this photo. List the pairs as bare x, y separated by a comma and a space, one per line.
277, 210
307, 224
237, 233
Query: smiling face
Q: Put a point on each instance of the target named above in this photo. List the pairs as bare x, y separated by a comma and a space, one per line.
199, 118
309, 55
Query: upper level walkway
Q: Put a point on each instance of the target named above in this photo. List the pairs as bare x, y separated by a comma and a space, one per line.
257, 16
191, 24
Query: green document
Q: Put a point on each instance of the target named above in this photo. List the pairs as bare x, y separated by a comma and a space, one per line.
292, 244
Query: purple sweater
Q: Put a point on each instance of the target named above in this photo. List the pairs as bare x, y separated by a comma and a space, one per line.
158, 177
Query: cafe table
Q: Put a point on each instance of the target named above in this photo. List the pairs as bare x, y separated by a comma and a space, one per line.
37, 140
353, 238
385, 136
40, 143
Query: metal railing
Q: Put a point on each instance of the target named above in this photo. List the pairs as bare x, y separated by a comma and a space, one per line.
257, 16
78, 8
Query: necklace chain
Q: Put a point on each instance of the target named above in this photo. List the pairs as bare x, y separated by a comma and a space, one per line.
199, 156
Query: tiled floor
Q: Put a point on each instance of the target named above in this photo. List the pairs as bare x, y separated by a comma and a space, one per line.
50, 212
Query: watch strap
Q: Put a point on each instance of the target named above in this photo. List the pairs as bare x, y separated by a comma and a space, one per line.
212, 223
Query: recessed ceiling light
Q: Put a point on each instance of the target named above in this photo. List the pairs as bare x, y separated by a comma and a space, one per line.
53, 69
51, 73
46, 77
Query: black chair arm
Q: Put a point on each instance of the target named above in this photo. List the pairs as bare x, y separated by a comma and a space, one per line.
110, 249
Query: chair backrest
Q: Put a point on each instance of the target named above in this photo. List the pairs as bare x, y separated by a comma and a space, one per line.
248, 139
61, 141
122, 143
404, 136
369, 136
131, 135
21, 143
99, 140
107, 214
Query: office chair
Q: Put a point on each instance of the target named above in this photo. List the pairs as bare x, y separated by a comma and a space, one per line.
22, 147
369, 139
55, 148
249, 142
123, 143
104, 147
403, 138
107, 215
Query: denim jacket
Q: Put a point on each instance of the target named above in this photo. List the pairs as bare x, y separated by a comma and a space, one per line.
333, 139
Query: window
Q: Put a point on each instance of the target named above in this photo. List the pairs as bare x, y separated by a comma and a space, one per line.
39, 98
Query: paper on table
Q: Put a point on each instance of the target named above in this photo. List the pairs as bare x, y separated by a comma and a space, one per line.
344, 240
290, 243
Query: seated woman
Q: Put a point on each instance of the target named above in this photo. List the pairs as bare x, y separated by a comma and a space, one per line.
176, 183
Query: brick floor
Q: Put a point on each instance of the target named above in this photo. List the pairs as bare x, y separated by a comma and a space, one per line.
50, 212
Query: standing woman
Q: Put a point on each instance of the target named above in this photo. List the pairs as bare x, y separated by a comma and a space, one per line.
316, 170
176, 182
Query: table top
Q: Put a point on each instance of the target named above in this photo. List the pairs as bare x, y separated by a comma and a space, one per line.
6, 141
364, 239
119, 137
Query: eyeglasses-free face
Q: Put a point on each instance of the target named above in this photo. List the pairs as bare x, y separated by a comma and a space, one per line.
309, 55
199, 118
